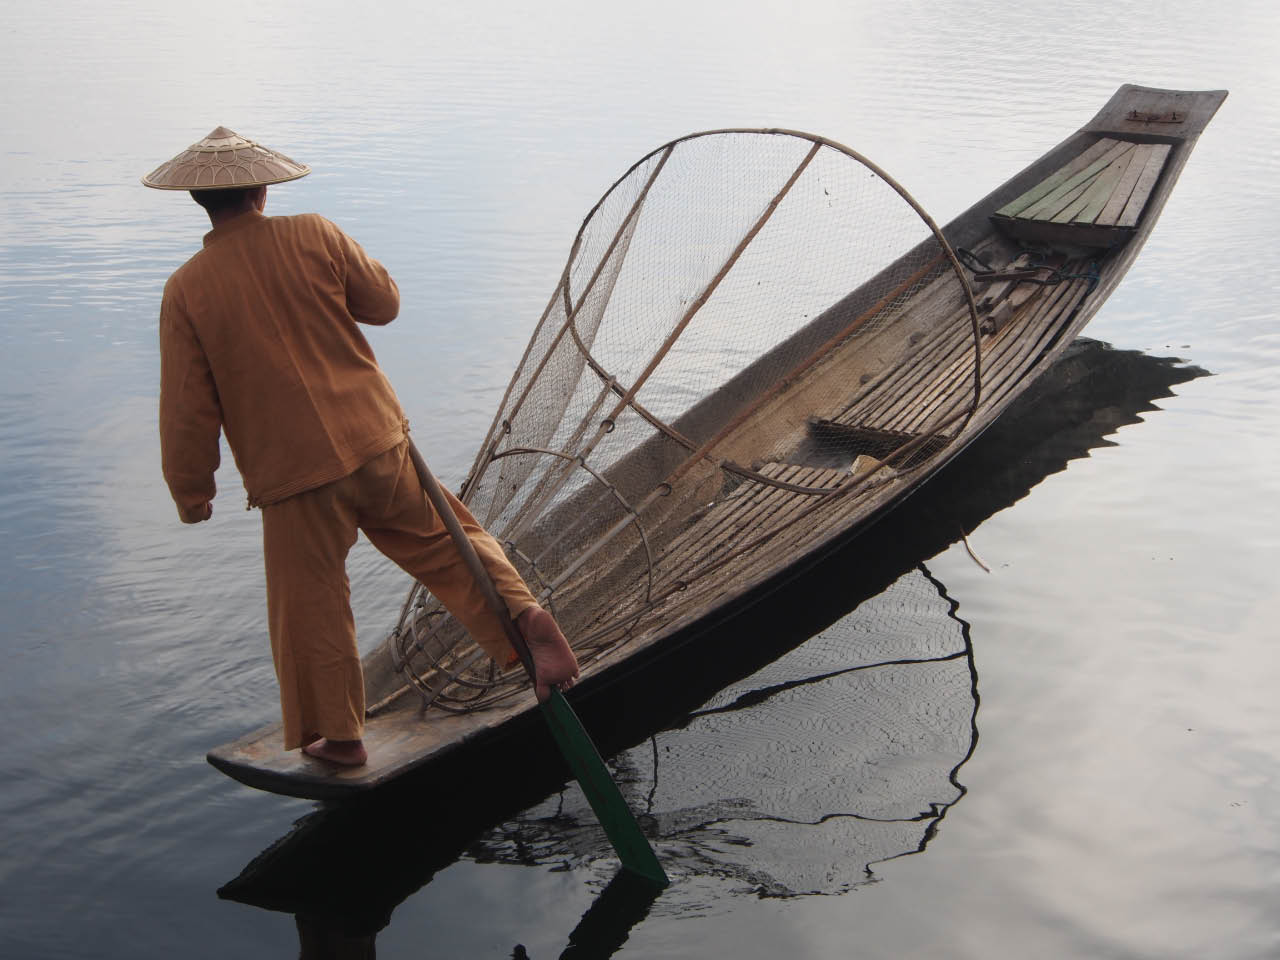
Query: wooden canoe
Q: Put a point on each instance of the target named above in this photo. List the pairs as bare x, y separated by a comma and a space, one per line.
734, 475
1072, 410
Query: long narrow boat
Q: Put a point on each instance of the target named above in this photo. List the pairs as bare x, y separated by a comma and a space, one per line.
760, 343
1072, 410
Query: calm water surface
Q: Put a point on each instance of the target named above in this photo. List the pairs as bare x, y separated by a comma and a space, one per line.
1074, 755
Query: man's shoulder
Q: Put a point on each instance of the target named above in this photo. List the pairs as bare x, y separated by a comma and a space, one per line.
304, 222
174, 285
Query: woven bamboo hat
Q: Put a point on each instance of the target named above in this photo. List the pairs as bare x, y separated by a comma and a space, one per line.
222, 161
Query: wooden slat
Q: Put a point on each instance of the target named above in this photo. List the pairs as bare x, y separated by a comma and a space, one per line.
1120, 196
871, 392
1009, 350
1142, 190
1051, 201
755, 514
929, 391
887, 392
722, 521
1098, 195
1076, 206
957, 340
993, 359
1051, 182
711, 572
1051, 206
998, 386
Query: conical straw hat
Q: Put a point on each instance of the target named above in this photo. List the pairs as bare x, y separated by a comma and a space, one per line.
224, 160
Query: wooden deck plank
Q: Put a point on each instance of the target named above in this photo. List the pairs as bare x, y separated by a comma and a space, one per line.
723, 514
1050, 208
1077, 206
927, 396
1053, 181
1053, 201
1095, 198
889, 416
963, 374
1106, 184
1040, 326
1142, 190
886, 390
703, 579
1120, 196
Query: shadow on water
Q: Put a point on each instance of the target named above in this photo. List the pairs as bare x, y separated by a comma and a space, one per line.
793, 746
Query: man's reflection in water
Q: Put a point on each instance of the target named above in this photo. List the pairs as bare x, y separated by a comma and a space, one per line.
320, 939
601, 932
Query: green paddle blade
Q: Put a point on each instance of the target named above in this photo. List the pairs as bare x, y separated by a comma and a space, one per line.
602, 793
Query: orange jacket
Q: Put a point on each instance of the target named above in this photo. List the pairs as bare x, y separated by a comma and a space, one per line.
258, 337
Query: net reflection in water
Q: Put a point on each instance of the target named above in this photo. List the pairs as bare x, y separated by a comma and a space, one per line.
796, 780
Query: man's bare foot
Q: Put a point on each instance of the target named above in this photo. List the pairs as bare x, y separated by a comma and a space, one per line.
347, 753
554, 664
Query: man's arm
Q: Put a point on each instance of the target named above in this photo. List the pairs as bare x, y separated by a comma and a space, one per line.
372, 296
190, 416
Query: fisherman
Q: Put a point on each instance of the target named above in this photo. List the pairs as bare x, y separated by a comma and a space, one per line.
259, 337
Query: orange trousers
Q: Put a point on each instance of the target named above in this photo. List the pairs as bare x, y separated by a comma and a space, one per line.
306, 539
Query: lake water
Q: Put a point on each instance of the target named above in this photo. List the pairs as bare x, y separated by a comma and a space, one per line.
1074, 755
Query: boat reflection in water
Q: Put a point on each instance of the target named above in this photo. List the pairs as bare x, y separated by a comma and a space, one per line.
840, 754
818, 733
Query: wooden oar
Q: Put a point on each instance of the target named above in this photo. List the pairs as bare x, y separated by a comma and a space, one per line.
567, 730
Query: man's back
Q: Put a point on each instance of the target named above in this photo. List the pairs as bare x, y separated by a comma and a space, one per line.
258, 334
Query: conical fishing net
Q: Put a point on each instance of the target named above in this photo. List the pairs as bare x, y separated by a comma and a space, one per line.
756, 334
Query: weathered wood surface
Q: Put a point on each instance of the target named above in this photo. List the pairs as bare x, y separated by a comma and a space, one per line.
1051, 183
1073, 187
1144, 113
1142, 189
1120, 196
1094, 200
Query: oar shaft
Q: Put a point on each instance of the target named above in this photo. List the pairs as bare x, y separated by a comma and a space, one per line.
469, 556
570, 736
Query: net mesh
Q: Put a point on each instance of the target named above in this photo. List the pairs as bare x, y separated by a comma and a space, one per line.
718, 377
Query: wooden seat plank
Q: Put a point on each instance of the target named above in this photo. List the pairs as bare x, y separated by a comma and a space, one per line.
1050, 183
1072, 210
1142, 190
1050, 202
1120, 196
1101, 191
1049, 207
